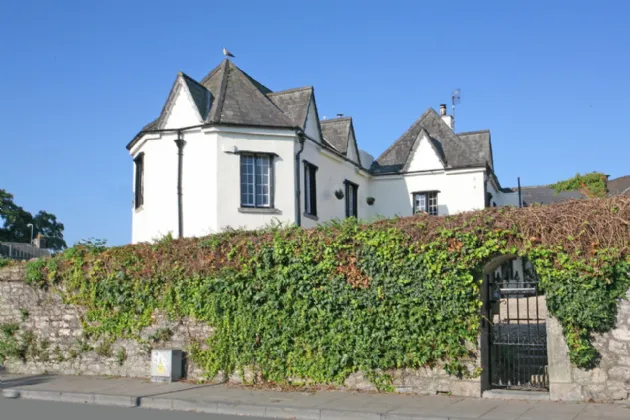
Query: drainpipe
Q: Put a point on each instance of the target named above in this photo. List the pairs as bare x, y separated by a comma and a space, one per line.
180, 160
298, 210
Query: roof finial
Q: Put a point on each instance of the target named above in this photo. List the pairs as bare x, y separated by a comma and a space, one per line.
227, 53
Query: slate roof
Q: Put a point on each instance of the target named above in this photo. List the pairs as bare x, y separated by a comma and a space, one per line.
619, 186
455, 151
201, 96
294, 103
546, 195
337, 133
235, 98
479, 145
241, 100
228, 95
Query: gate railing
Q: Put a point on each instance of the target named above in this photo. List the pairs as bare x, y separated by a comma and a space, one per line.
518, 335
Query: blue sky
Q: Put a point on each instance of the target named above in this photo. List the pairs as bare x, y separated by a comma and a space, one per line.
78, 81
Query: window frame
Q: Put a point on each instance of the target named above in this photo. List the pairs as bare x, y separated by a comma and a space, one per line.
310, 189
256, 156
138, 189
353, 188
427, 200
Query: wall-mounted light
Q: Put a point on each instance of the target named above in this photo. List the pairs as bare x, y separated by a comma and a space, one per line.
339, 194
370, 200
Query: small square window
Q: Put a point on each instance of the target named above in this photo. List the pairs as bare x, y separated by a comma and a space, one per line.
425, 202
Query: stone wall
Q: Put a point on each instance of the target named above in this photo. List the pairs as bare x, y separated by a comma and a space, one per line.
58, 345
609, 381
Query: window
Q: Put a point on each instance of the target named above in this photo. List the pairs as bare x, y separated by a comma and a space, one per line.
310, 189
351, 199
139, 187
425, 202
256, 180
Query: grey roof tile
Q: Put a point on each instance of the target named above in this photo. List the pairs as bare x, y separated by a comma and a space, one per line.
619, 186
544, 194
479, 146
456, 151
241, 100
152, 125
201, 96
294, 103
337, 133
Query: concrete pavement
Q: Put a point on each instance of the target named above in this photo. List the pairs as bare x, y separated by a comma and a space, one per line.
320, 405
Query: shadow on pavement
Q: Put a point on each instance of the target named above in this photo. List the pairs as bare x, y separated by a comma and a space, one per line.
25, 381
180, 390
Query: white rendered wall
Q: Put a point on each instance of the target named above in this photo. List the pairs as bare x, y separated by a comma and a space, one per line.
158, 215
352, 152
183, 113
502, 198
284, 144
424, 158
332, 171
311, 128
199, 183
460, 190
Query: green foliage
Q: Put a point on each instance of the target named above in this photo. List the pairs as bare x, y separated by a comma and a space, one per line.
9, 328
58, 354
4, 262
121, 356
22, 344
83, 346
320, 304
14, 221
592, 184
24, 314
162, 335
104, 349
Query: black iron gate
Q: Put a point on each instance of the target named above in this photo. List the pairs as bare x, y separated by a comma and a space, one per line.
518, 333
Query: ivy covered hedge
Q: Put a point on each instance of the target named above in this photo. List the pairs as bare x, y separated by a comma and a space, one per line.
593, 184
323, 303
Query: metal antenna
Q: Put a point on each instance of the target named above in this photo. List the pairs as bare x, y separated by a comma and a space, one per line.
456, 99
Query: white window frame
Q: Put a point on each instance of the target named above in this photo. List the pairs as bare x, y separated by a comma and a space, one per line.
256, 197
425, 202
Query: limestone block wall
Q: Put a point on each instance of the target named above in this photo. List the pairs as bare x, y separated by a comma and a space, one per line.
609, 381
57, 345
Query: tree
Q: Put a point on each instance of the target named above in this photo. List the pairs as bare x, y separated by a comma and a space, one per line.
15, 220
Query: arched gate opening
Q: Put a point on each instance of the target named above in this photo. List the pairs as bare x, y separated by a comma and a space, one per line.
514, 327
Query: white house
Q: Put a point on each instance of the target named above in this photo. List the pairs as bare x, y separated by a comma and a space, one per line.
227, 151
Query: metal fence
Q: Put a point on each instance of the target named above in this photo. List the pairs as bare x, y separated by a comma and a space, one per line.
20, 251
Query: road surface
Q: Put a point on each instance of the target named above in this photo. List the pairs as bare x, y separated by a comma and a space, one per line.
31, 409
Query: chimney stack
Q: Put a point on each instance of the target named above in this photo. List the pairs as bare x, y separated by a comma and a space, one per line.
339, 115
448, 119
39, 242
